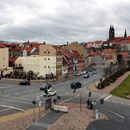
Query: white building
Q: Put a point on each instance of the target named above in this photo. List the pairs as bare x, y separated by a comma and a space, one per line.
4, 60
40, 65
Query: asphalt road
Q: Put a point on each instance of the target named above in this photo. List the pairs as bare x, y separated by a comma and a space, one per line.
14, 98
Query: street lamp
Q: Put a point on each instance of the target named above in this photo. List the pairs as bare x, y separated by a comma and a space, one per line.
34, 104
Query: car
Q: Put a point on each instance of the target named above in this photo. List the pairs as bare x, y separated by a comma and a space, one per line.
24, 82
84, 72
78, 74
86, 76
46, 86
50, 92
75, 85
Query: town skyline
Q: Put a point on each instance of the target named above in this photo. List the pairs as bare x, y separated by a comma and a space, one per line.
61, 21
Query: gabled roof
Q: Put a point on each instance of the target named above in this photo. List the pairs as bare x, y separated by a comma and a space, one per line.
94, 53
75, 54
66, 53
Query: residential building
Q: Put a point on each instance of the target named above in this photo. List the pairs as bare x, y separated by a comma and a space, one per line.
110, 55
68, 63
80, 49
4, 59
40, 65
54, 53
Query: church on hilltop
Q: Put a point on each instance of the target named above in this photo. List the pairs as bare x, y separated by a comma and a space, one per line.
112, 33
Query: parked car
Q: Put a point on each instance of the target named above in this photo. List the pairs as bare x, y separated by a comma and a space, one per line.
86, 76
46, 86
24, 82
75, 85
78, 74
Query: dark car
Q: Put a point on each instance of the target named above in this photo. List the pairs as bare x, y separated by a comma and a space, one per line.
25, 82
45, 87
75, 85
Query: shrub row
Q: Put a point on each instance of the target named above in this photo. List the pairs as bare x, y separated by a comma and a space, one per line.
111, 79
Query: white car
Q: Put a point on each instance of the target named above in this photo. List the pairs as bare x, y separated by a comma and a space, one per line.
51, 92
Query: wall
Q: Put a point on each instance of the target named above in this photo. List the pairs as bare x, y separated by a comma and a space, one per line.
4, 58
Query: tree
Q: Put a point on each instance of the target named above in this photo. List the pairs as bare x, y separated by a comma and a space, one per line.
120, 59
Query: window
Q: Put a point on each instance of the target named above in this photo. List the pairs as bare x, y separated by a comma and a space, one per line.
48, 52
44, 66
48, 66
48, 58
45, 52
44, 58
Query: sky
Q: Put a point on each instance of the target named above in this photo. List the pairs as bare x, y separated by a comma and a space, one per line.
59, 21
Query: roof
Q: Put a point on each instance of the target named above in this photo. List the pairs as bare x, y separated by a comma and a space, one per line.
108, 51
66, 53
94, 53
75, 54
2, 45
125, 54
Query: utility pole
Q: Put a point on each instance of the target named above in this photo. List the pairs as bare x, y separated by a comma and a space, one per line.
80, 100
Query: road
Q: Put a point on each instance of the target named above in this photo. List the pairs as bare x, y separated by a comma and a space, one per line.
14, 98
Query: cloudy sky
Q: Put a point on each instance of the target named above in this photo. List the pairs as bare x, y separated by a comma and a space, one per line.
59, 21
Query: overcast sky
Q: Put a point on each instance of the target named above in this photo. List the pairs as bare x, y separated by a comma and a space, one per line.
59, 21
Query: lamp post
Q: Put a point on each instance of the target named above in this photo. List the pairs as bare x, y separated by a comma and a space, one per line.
34, 103
80, 100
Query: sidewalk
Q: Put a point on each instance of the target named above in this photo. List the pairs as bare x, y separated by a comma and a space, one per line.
20, 120
112, 86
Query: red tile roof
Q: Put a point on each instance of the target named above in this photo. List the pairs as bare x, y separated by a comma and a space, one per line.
108, 51
2, 45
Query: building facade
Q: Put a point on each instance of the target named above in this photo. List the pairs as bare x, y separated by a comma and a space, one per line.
4, 59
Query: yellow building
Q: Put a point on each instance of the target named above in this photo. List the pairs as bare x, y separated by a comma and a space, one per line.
54, 52
4, 59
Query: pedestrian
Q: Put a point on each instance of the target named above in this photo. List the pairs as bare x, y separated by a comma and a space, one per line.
74, 90
88, 103
89, 94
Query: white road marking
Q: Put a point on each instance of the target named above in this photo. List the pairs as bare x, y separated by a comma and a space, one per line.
17, 108
5, 109
122, 103
17, 99
67, 100
108, 97
101, 97
114, 113
9, 86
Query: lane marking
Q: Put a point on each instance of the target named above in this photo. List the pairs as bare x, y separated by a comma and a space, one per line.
101, 97
17, 108
114, 113
66, 100
108, 97
6, 109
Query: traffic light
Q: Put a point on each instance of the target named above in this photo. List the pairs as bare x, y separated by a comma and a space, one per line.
101, 101
34, 102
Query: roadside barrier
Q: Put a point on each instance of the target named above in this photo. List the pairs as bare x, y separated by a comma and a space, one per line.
61, 107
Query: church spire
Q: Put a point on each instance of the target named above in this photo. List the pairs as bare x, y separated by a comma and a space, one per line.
111, 32
125, 34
